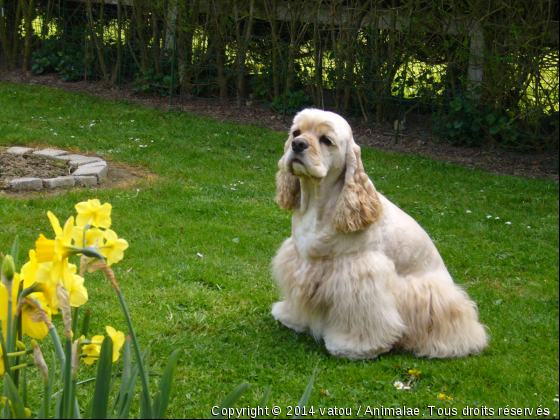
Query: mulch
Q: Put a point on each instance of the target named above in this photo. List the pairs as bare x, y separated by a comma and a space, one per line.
489, 158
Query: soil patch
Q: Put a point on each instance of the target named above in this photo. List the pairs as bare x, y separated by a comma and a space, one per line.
491, 159
29, 165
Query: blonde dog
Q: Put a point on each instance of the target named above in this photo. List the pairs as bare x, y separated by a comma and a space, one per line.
358, 272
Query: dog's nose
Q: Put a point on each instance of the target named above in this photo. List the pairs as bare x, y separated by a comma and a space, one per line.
299, 144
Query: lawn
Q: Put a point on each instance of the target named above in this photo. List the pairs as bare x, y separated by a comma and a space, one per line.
203, 232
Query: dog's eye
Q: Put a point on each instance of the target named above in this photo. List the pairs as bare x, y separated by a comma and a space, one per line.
296, 133
325, 140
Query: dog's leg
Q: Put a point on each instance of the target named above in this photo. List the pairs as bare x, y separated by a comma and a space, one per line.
363, 320
290, 311
285, 313
442, 321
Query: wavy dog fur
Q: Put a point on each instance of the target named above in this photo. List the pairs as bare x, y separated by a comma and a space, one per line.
358, 272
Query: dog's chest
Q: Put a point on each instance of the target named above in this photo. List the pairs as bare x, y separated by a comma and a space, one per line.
313, 239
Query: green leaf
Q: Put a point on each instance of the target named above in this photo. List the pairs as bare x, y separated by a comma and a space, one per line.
17, 407
457, 124
305, 397
127, 366
15, 250
166, 384
493, 130
156, 403
265, 398
103, 381
231, 399
490, 118
146, 410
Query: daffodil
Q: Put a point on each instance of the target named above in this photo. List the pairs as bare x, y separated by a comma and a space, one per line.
54, 272
63, 242
118, 341
28, 274
72, 282
92, 213
61, 245
113, 248
37, 330
45, 248
92, 350
92, 236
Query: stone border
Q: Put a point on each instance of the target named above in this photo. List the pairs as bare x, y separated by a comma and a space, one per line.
87, 171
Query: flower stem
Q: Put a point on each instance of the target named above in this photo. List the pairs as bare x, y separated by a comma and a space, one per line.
9, 336
75, 313
57, 345
68, 396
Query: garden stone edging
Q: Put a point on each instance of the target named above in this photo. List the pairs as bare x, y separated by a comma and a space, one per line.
87, 170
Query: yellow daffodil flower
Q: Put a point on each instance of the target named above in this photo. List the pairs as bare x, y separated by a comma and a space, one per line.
63, 242
61, 245
54, 223
92, 350
118, 341
28, 274
93, 235
91, 212
113, 249
73, 283
54, 272
45, 249
36, 330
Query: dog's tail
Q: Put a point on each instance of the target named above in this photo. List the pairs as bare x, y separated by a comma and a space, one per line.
441, 320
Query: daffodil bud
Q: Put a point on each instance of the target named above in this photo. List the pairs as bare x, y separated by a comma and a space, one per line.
64, 306
75, 358
8, 269
39, 361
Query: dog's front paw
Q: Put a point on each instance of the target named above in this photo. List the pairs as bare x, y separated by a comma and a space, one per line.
344, 345
281, 312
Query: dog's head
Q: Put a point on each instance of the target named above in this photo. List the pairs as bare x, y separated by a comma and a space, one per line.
321, 145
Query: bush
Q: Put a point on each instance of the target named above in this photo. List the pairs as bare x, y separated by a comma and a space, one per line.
291, 102
46, 59
467, 122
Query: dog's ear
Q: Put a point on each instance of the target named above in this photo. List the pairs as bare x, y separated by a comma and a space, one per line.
287, 185
358, 205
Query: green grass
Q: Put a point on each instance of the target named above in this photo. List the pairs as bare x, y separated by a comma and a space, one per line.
216, 309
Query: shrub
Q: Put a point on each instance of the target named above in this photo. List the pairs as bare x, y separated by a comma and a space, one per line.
467, 122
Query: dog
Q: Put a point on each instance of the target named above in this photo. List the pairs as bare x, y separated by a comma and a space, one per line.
358, 272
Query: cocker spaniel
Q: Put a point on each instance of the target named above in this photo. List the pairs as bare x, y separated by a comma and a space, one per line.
358, 272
